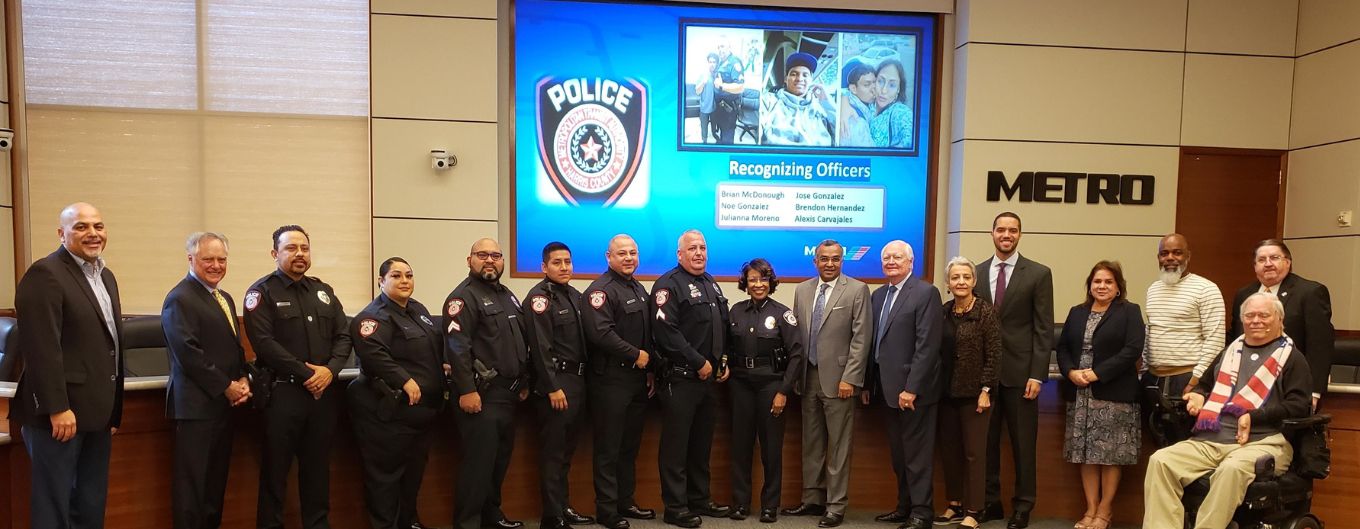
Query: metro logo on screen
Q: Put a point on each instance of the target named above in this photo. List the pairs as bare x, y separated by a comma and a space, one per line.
592, 135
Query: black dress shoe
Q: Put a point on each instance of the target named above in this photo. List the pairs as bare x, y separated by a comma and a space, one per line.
991, 511
893, 516
617, 523
805, 509
1019, 520
739, 513
915, 523
637, 513
418, 525
712, 510
688, 520
505, 523
831, 519
553, 523
768, 516
575, 518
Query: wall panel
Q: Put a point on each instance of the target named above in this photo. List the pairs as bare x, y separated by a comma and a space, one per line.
404, 185
1128, 24
1324, 23
1332, 262
7, 258
1234, 101
1257, 27
1326, 108
444, 8
1077, 95
436, 249
1322, 182
434, 68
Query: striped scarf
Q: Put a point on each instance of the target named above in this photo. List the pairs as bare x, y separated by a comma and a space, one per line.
1252, 394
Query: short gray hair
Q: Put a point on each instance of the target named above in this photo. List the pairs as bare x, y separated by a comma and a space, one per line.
1275, 303
197, 238
827, 243
690, 231
960, 261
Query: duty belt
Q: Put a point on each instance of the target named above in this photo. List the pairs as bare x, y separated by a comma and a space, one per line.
511, 385
682, 371
568, 366
748, 362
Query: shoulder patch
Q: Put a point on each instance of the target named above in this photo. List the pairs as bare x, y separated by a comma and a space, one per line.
789, 317
597, 299
321, 295
367, 327
539, 304
252, 299
662, 296
455, 307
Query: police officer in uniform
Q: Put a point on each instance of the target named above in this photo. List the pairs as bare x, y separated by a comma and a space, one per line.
559, 363
690, 325
484, 338
397, 399
297, 329
766, 362
618, 331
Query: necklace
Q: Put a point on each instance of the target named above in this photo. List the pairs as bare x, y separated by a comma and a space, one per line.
965, 310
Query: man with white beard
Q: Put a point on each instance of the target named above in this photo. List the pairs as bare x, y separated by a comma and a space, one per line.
1185, 321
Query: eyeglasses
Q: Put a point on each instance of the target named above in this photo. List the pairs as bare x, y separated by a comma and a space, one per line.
488, 256
1272, 258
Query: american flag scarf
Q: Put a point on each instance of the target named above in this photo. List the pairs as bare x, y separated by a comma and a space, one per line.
1252, 394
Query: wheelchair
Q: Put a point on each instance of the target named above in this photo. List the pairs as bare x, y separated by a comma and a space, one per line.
1272, 501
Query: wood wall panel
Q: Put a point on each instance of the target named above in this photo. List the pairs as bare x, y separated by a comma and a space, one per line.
140, 470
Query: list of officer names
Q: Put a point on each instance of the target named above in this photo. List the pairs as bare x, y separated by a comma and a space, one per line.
799, 206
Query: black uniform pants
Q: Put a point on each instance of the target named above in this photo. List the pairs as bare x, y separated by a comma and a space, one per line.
395, 450
752, 399
1020, 417
297, 425
558, 434
488, 437
618, 403
199, 479
688, 407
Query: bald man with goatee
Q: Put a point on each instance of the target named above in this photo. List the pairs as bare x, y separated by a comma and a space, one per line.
484, 339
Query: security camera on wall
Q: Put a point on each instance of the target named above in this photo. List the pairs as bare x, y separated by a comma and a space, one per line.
6, 139
442, 160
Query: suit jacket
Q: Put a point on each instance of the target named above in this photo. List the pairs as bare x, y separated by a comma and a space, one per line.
1307, 319
205, 353
845, 333
1115, 347
908, 354
71, 361
1026, 316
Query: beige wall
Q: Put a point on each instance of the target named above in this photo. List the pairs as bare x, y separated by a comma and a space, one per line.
6, 196
1324, 157
1110, 87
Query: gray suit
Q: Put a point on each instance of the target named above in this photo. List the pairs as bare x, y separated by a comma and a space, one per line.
1026, 316
844, 337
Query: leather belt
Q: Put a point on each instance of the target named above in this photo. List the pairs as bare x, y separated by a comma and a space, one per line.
568, 366
747, 362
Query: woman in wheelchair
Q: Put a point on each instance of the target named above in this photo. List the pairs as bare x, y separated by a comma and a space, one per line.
1258, 382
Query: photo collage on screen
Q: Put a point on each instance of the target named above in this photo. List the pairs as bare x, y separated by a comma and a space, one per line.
798, 88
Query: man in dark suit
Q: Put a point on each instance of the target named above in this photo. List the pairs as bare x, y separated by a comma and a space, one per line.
206, 381
907, 332
1307, 309
836, 309
70, 395
1022, 292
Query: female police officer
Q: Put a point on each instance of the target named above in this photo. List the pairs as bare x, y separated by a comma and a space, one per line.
395, 402
766, 361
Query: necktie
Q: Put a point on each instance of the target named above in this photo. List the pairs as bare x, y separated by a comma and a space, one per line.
1000, 284
883, 317
817, 309
226, 309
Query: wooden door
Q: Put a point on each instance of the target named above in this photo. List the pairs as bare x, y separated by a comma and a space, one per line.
1227, 200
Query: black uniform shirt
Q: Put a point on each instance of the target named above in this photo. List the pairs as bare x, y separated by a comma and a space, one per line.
397, 344
758, 329
483, 323
555, 330
291, 322
690, 318
616, 319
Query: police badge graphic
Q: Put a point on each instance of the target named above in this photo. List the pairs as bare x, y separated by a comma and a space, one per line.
592, 136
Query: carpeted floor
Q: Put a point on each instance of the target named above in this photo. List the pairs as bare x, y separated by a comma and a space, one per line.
855, 520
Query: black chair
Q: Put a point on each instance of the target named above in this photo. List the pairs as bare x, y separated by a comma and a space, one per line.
144, 351
9, 355
748, 118
1271, 501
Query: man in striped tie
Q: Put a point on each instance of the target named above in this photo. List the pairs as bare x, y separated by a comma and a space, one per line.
1260, 380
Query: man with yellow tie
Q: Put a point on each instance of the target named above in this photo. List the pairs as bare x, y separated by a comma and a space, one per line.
206, 380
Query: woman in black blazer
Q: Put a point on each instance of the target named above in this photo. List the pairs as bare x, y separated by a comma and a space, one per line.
1100, 344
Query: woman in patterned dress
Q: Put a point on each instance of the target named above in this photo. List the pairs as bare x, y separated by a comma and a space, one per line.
1100, 344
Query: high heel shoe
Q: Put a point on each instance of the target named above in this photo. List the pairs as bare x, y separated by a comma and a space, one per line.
1100, 522
1085, 521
